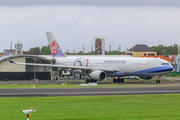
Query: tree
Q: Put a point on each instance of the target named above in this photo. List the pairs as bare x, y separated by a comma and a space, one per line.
36, 50
45, 50
91, 53
115, 52
170, 50
81, 53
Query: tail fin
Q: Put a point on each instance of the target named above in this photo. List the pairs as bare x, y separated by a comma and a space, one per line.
54, 46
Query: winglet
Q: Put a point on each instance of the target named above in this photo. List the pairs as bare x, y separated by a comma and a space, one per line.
10, 61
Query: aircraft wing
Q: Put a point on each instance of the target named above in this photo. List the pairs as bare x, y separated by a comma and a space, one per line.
66, 66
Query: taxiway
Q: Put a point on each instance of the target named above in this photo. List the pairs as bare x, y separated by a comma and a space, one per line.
88, 91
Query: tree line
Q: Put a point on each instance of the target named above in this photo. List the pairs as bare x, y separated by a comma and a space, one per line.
46, 51
165, 50
41, 51
160, 49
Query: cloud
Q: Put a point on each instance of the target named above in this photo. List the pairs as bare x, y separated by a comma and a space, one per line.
75, 26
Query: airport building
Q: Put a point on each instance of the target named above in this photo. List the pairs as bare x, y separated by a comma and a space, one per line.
140, 50
9, 71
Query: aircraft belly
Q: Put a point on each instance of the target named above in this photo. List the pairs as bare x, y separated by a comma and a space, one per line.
116, 74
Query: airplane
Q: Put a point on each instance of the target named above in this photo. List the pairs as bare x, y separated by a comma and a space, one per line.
97, 68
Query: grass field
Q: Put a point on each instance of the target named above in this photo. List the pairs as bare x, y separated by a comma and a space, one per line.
127, 107
142, 83
9, 86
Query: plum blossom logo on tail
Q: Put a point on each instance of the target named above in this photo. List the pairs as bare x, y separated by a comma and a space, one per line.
54, 47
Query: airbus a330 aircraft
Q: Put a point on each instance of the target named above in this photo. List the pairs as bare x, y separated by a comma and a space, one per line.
98, 68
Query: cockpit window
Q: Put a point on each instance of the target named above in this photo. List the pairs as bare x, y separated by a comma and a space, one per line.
165, 64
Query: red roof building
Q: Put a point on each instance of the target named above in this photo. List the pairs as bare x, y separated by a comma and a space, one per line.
1, 55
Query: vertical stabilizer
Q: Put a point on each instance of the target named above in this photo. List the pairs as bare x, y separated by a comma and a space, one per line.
54, 46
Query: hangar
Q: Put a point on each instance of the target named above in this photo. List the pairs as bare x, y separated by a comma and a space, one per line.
10, 71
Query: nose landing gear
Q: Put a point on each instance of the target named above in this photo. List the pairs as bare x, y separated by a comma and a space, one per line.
158, 79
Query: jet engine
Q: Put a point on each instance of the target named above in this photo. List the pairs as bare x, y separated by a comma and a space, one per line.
98, 75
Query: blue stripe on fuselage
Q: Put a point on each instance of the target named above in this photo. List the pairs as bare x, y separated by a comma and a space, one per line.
160, 69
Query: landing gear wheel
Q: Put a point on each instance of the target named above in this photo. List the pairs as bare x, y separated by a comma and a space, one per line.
158, 81
118, 80
91, 80
95, 81
122, 80
87, 80
114, 80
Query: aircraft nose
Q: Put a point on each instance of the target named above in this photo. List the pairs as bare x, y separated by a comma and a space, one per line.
171, 67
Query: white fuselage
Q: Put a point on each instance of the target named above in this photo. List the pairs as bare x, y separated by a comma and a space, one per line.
122, 66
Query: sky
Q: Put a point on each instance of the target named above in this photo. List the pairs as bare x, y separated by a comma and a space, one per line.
75, 23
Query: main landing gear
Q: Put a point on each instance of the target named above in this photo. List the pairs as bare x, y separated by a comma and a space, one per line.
118, 80
158, 79
91, 81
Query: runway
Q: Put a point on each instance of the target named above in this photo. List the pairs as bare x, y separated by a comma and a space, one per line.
42, 92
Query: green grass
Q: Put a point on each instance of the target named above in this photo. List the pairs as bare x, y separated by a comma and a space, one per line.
142, 83
127, 107
173, 77
9, 86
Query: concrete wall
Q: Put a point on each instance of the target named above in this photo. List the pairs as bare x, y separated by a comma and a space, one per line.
6, 66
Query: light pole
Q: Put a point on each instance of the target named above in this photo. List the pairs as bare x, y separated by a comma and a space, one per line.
92, 46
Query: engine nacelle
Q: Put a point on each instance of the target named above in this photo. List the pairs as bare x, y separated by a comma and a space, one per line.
98, 75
